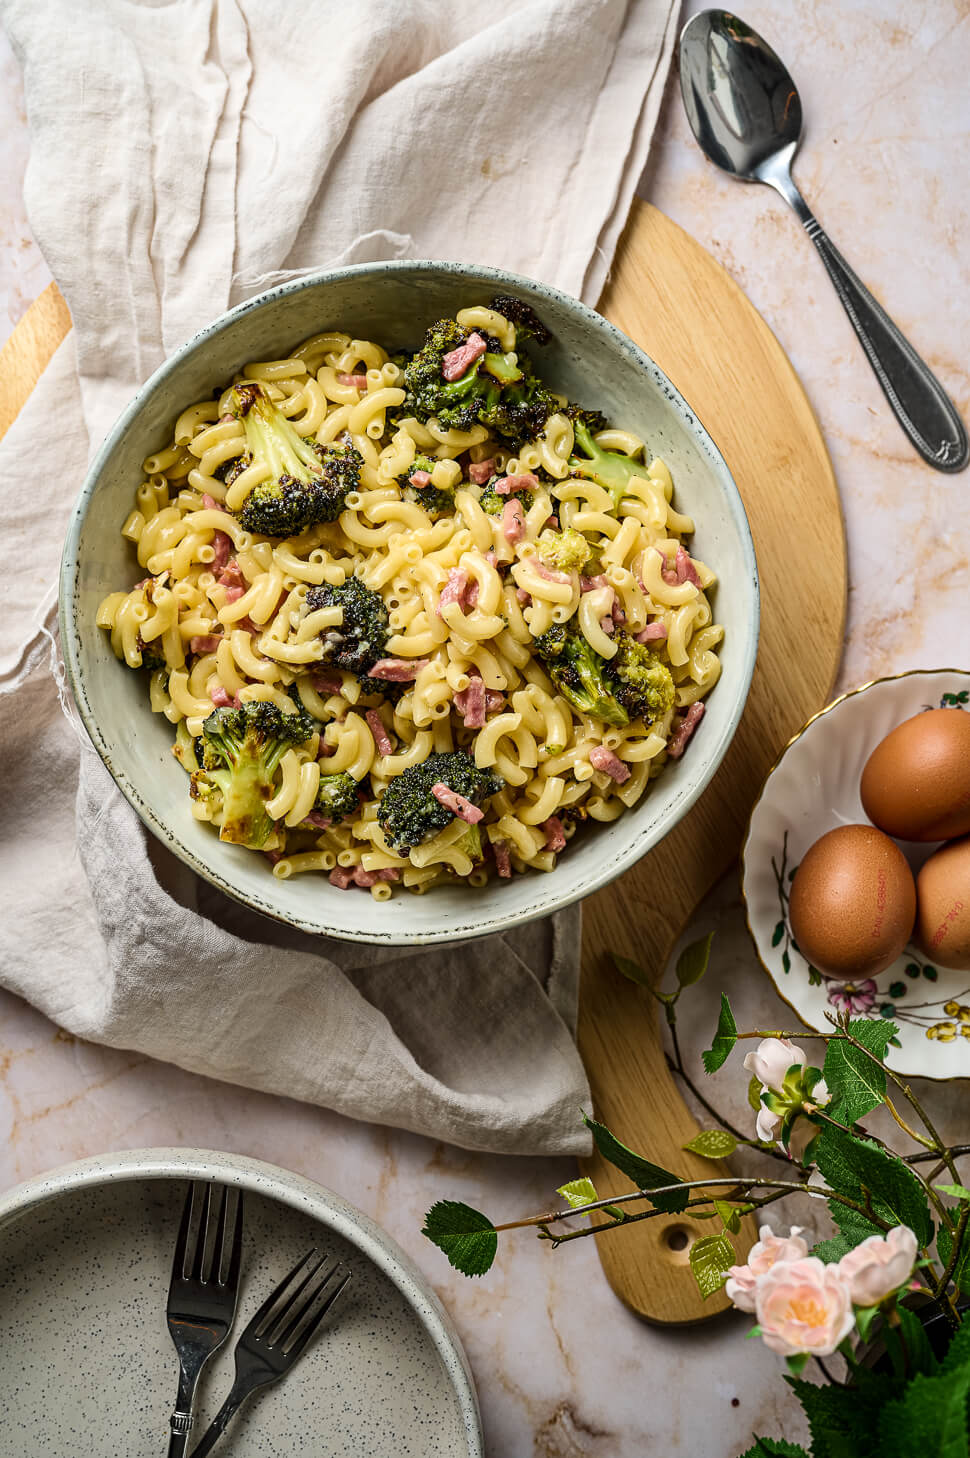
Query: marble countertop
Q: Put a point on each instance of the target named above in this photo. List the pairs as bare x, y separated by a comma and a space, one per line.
563, 1370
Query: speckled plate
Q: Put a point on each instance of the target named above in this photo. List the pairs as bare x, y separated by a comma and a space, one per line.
86, 1362
813, 788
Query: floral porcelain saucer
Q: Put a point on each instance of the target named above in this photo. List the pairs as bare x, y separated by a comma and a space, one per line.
813, 788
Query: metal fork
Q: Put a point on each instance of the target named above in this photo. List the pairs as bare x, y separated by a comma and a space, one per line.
278, 1335
202, 1294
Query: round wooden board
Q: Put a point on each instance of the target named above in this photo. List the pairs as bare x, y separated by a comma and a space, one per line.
669, 295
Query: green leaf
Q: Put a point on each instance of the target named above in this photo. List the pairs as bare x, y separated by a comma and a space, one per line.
857, 1085
853, 1166
864, 1317
778, 933
578, 1193
796, 1365
929, 1418
754, 1093
712, 1143
959, 1192
693, 960
730, 1215
724, 1039
774, 1448
466, 1236
840, 1419
785, 962
961, 1270
919, 1353
958, 1352
632, 971
709, 1260
644, 1174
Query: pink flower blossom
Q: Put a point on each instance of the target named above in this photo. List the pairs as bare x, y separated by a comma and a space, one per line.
803, 1306
853, 997
772, 1059
766, 1252
879, 1266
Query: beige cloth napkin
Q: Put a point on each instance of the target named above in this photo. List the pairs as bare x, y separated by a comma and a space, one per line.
183, 156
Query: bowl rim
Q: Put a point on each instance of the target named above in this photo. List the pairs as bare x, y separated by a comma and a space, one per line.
743, 858
462, 927
296, 1191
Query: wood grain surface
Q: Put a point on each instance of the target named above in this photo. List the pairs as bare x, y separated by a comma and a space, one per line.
669, 295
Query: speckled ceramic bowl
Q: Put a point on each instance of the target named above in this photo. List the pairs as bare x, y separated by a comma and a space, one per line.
813, 788
86, 1361
591, 361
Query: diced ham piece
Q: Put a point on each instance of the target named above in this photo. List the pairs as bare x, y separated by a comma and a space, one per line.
617, 613
503, 858
247, 625
607, 625
222, 547
685, 569
604, 759
210, 503
555, 835
684, 730
490, 557
205, 642
590, 584
454, 588
547, 572
271, 855
470, 596
525, 482
327, 683
317, 819
470, 703
359, 382
668, 573
388, 873
457, 361
220, 698
457, 804
233, 594
325, 750
513, 521
493, 701
232, 574
420, 479
652, 633
398, 670
342, 877
525, 598
382, 739
481, 471
552, 521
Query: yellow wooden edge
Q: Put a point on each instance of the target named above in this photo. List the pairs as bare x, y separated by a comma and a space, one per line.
28, 351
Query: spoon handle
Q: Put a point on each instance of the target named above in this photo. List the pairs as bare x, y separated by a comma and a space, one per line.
918, 400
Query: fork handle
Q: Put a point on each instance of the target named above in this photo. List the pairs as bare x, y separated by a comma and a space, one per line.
240, 1390
181, 1425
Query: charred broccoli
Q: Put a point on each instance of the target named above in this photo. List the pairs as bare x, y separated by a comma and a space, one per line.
362, 636
338, 796
635, 684
242, 752
497, 390
567, 551
527, 323
491, 502
409, 813
608, 468
594, 420
309, 482
436, 502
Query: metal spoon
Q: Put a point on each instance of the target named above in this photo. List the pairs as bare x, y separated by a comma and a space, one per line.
747, 117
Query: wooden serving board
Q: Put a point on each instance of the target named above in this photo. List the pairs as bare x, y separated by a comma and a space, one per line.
669, 295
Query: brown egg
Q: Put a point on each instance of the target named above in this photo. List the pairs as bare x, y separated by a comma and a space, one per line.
853, 902
916, 783
943, 905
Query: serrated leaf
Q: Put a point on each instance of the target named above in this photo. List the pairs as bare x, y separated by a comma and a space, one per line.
712, 1144
778, 933
839, 1419
693, 960
730, 1215
959, 1192
466, 1236
754, 1093
774, 1448
578, 1193
857, 1085
724, 1039
919, 1353
853, 1166
961, 1269
710, 1259
929, 1418
853, 1228
631, 970
644, 1174
958, 1352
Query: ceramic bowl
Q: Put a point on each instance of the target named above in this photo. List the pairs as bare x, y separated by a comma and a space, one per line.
590, 361
813, 788
87, 1363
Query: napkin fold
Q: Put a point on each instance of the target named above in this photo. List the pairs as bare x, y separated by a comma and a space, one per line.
185, 155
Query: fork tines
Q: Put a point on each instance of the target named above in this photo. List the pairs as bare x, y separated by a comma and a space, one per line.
292, 1313
200, 1254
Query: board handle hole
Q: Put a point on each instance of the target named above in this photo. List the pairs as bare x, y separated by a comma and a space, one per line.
677, 1238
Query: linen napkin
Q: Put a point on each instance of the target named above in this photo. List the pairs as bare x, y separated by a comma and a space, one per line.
185, 155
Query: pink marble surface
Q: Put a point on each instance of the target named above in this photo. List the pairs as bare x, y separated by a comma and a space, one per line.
564, 1371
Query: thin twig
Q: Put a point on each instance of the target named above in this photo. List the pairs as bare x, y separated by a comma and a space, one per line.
906, 1128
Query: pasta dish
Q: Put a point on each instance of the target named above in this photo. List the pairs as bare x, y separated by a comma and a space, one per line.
413, 617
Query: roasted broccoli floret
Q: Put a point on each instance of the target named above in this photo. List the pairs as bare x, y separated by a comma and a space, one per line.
594, 420
470, 844
435, 500
496, 390
338, 796
491, 502
635, 684
608, 468
568, 551
527, 323
359, 641
309, 482
152, 656
242, 751
409, 813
